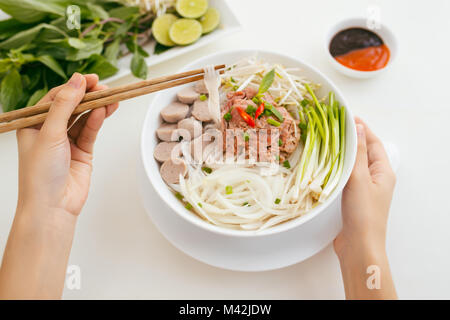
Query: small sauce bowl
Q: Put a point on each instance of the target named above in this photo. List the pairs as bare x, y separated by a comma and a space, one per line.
383, 32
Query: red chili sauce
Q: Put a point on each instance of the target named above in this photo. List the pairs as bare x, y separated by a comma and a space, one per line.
359, 49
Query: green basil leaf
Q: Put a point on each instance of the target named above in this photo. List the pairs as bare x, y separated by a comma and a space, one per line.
5, 65
76, 43
142, 52
11, 90
112, 51
29, 11
139, 66
27, 36
93, 46
10, 27
50, 62
97, 11
36, 96
101, 66
123, 12
266, 81
160, 48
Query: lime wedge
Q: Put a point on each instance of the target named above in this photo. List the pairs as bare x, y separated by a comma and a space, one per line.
210, 20
160, 28
191, 8
185, 31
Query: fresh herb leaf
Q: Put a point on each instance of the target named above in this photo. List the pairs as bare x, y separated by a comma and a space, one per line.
160, 48
11, 90
266, 82
29, 11
138, 66
277, 200
26, 36
112, 51
36, 96
101, 66
51, 63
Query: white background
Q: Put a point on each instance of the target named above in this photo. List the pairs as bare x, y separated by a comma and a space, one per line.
122, 254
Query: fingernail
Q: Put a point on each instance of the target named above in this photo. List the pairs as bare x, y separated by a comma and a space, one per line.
76, 80
360, 130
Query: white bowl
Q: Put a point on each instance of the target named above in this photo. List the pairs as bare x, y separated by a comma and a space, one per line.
383, 31
153, 121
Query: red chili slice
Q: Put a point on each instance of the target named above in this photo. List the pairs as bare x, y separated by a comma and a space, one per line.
247, 118
259, 111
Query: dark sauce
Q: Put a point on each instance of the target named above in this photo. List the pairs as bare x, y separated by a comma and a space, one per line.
359, 49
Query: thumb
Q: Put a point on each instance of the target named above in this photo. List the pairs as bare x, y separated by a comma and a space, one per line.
66, 100
361, 168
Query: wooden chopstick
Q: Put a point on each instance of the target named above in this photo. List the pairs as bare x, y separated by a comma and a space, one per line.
44, 107
33, 119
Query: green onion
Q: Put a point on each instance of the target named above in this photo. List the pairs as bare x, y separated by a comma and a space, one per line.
250, 109
203, 97
280, 142
232, 80
304, 103
235, 88
179, 196
275, 112
228, 190
200, 205
273, 122
207, 169
188, 206
302, 126
246, 136
286, 164
227, 116
244, 204
277, 200
255, 100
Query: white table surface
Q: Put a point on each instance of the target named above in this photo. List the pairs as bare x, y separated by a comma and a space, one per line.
122, 254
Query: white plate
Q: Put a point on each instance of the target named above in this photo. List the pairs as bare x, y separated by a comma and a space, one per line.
228, 24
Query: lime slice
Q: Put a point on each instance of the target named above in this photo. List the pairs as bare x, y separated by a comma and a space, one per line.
191, 8
185, 31
160, 28
210, 20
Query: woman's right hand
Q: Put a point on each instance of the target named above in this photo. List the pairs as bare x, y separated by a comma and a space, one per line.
365, 208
